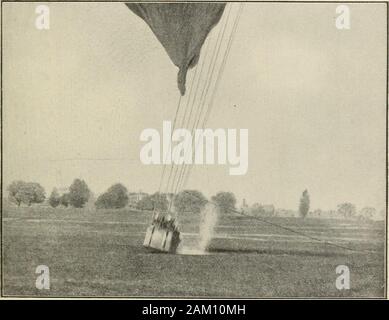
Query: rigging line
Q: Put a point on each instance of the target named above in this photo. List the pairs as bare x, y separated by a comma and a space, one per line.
175, 168
258, 218
213, 69
184, 115
197, 84
210, 104
210, 71
214, 55
164, 166
221, 70
174, 127
187, 171
300, 233
230, 41
213, 64
303, 234
192, 107
174, 122
172, 167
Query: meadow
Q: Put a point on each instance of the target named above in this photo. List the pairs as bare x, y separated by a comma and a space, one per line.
94, 253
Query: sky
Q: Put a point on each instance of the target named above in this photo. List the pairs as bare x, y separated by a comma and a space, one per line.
77, 96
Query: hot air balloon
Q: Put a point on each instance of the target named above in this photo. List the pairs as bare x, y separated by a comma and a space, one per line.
181, 28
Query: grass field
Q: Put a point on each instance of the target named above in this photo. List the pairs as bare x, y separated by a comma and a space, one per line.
100, 253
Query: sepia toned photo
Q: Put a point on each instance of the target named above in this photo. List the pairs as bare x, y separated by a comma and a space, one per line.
194, 150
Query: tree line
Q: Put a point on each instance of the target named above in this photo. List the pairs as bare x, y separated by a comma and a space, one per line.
116, 197
28, 193
345, 210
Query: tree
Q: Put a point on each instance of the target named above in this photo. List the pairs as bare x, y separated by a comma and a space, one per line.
317, 213
304, 204
13, 189
79, 193
39, 194
225, 200
157, 201
64, 200
26, 192
55, 198
146, 203
346, 210
114, 198
368, 212
189, 201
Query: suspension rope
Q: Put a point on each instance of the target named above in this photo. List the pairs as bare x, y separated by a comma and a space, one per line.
303, 234
211, 69
197, 80
164, 166
181, 122
173, 128
230, 41
183, 176
208, 78
219, 76
173, 183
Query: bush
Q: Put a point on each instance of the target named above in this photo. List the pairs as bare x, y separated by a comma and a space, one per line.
190, 201
225, 200
26, 192
157, 201
79, 193
54, 199
65, 200
115, 197
346, 210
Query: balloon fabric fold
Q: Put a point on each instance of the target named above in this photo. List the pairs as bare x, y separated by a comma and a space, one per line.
181, 28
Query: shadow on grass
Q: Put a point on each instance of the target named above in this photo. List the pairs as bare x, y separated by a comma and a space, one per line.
276, 252
279, 252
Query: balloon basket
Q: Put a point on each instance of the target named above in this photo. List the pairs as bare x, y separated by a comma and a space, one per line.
162, 238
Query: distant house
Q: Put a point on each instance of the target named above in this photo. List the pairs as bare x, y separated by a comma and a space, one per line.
266, 210
244, 207
286, 213
135, 197
325, 214
318, 213
62, 190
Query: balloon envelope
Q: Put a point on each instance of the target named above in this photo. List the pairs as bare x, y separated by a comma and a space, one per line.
181, 28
